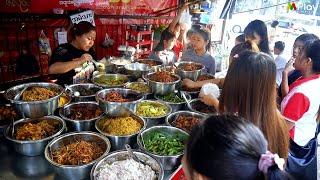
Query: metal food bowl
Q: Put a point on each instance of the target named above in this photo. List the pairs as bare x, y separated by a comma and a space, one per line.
110, 107
147, 61
78, 87
80, 124
193, 75
168, 162
123, 155
118, 142
191, 107
75, 171
161, 87
29, 147
175, 106
153, 121
34, 109
136, 70
113, 76
147, 95
173, 116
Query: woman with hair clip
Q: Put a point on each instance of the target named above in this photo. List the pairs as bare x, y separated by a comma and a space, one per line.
230, 147
249, 90
248, 45
257, 32
67, 57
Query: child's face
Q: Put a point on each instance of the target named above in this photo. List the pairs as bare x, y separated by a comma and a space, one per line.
197, 42
297, 48
168, 44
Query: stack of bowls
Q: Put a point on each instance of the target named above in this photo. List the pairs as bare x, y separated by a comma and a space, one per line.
30, 147
75, 171
80, 124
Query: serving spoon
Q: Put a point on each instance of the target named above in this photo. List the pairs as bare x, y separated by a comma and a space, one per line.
132, 155
17, 97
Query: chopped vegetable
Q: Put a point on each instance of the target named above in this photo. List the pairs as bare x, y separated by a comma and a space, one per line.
110, 81
164, 144
140, 87
151, 109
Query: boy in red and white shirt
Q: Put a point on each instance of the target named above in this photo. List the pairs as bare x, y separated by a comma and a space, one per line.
302, 103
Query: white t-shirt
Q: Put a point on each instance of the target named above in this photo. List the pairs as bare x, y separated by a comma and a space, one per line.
281, 64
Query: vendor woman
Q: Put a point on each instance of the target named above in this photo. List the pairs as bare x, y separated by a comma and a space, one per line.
69, 56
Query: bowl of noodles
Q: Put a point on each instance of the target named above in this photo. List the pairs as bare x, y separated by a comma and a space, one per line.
31, 136
121, 128
72, 155
35, 99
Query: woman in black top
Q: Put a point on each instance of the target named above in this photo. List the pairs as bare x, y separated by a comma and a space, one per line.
69, 56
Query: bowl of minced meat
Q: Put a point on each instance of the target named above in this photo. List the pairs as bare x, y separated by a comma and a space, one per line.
119, 166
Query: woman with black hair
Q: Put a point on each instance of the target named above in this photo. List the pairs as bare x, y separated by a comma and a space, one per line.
230, 147
257, 32
69, 56
163, 51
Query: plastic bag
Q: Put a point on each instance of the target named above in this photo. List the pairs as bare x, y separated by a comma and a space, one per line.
210, 89
44, 44
108, 42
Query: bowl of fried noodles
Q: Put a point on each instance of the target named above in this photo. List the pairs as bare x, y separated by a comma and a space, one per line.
31, 136
72, 155
35, 99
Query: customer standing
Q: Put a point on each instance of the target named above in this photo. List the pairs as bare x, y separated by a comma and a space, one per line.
280, 60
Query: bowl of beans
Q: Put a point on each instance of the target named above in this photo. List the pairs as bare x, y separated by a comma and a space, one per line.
190, 70
121, 128
81, 116
184, 120
165, 143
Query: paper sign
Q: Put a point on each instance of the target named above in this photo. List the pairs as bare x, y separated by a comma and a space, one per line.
84, 16
62, 37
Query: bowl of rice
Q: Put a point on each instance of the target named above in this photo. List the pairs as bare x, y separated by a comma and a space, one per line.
121, 128
119, 165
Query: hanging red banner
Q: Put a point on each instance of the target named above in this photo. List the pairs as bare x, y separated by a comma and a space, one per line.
110, 7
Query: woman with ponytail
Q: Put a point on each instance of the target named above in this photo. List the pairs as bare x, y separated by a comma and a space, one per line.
231, 148
69, 56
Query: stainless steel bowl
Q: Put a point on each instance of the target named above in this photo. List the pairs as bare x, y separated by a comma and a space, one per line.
160, 87
118, 142
110, 107
191, 108
34, 109
168, 162
80, 124
123, 155
33, 148
112, 76
175, 106
146, 61
153, 121
78, 87
136, 69
173, 116
193, 75
73, 171
147, 95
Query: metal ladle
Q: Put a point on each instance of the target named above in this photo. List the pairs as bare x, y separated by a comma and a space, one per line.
132, 155
185, 98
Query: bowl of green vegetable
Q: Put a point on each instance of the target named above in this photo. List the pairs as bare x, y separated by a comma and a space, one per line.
110, 80
165, 143
153, 112
140, 87
175, 100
